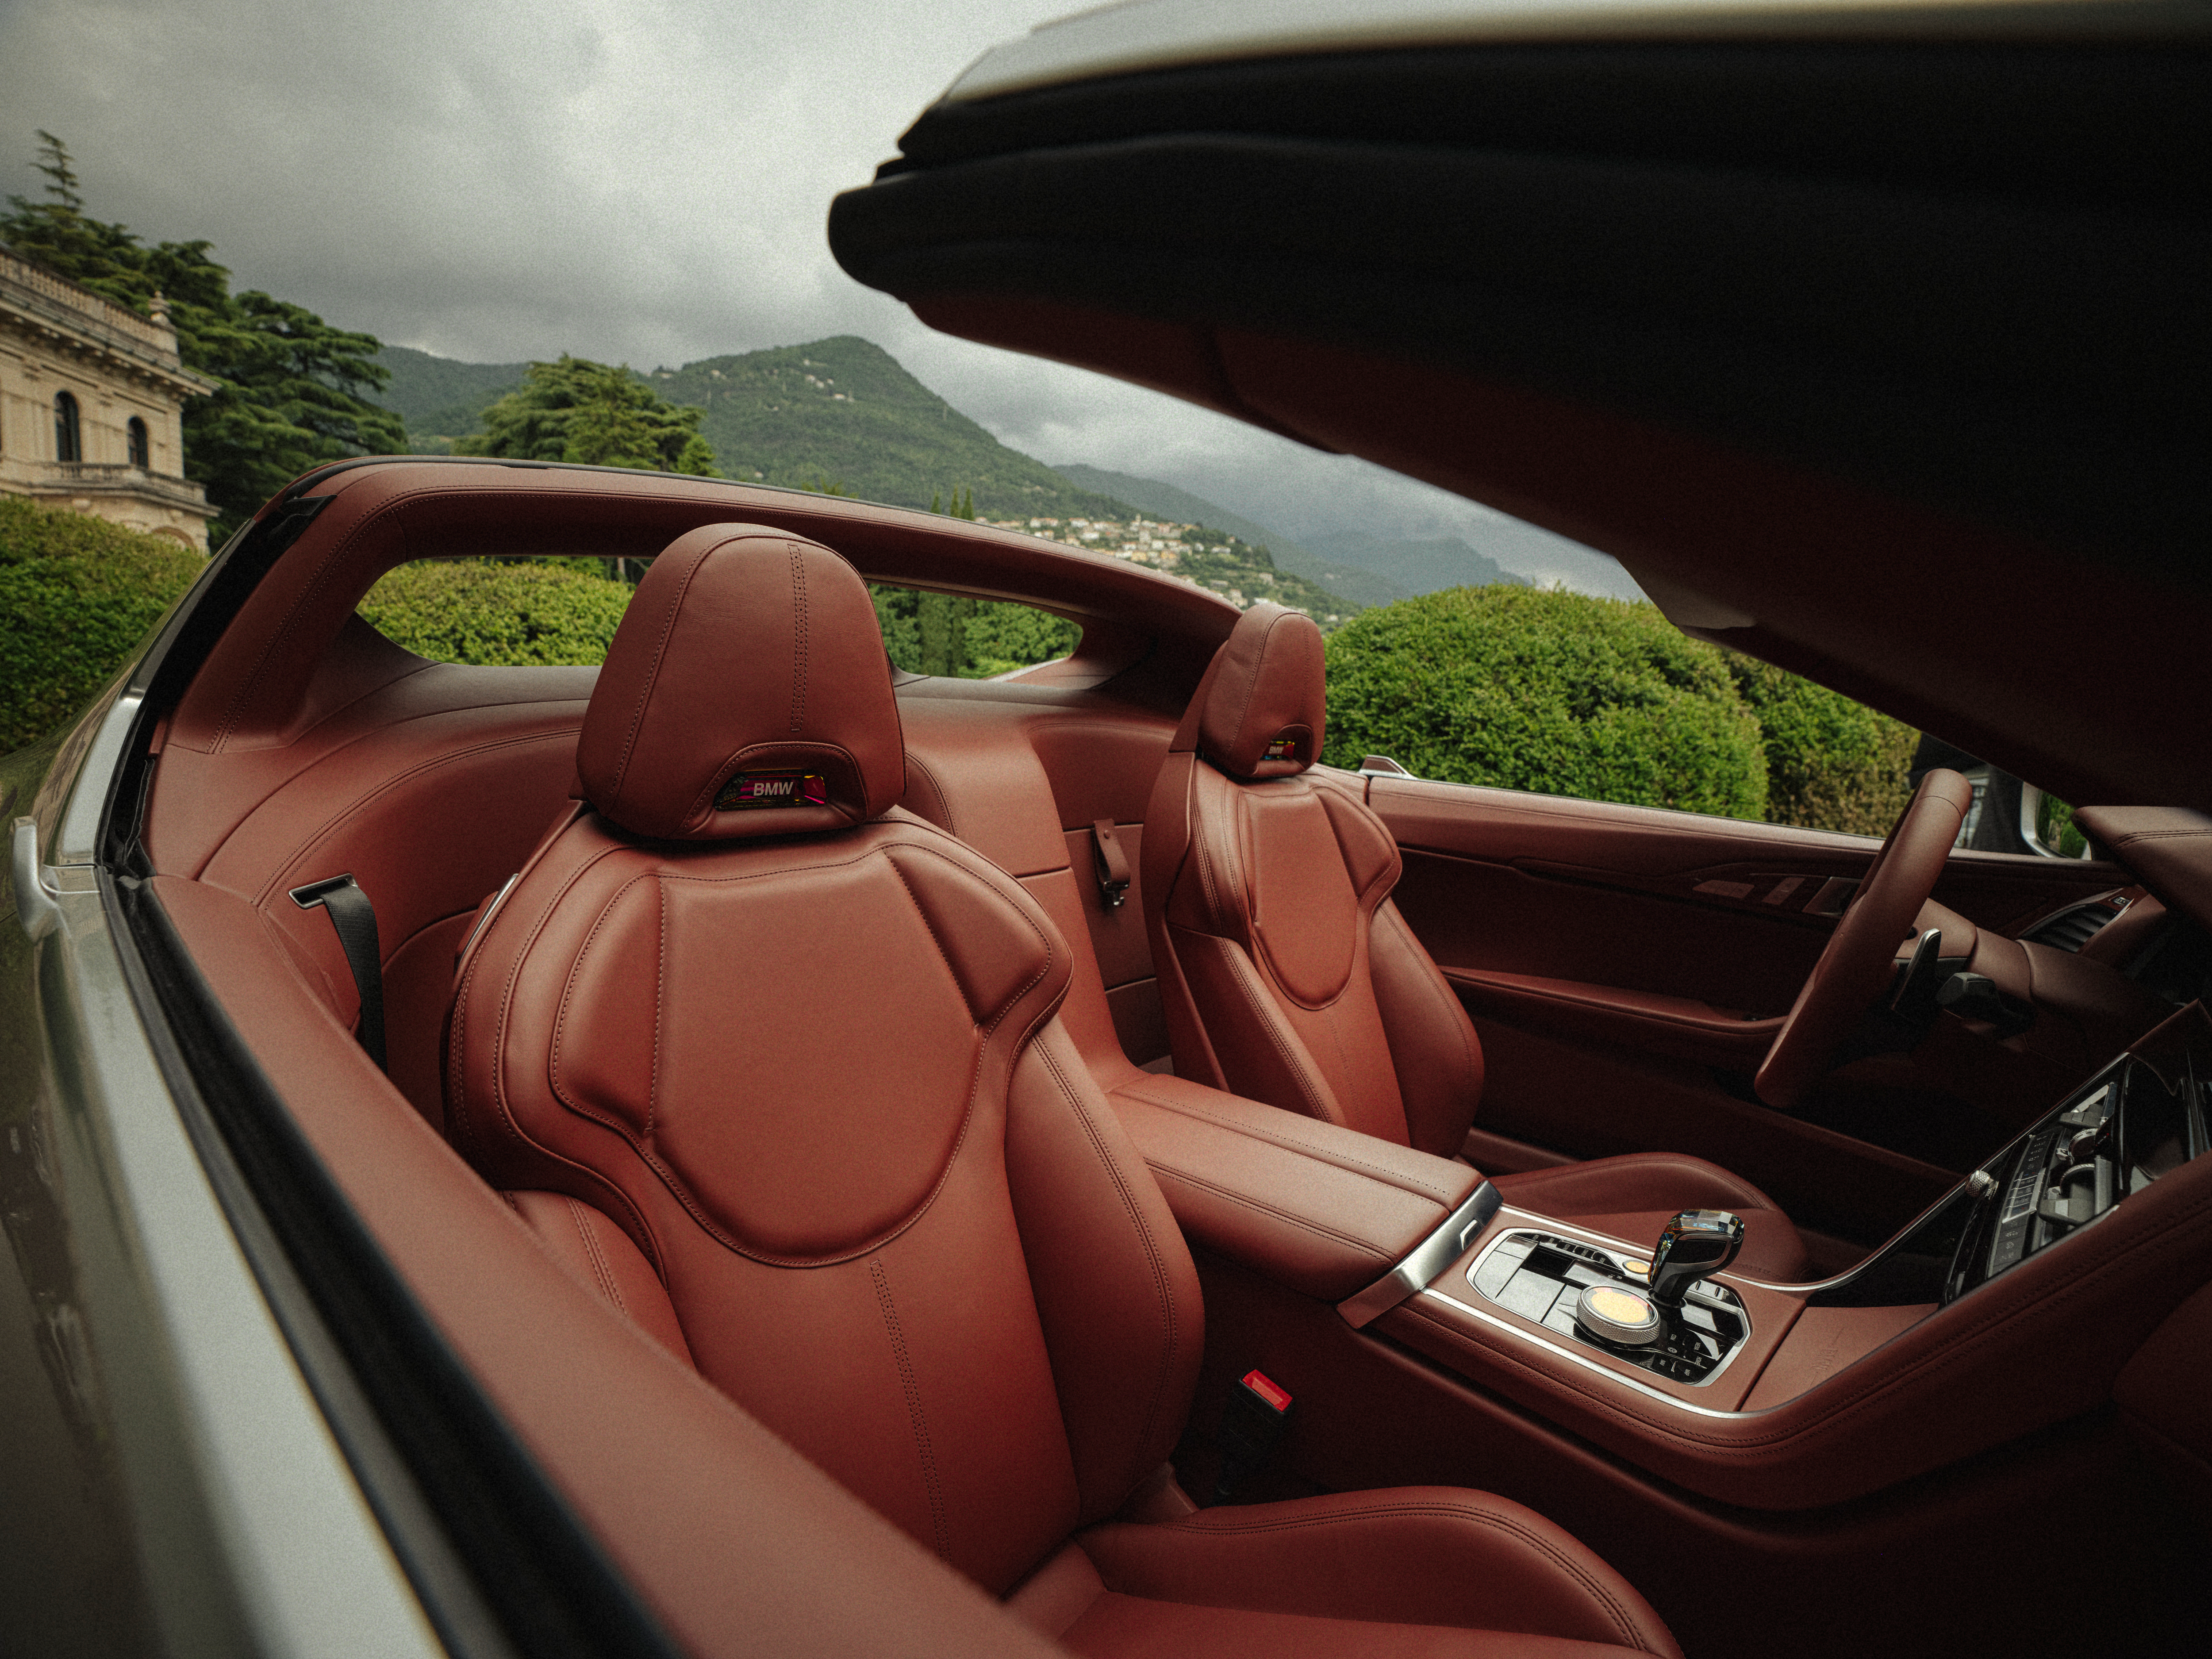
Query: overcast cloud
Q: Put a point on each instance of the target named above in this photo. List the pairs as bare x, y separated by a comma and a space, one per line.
643, 182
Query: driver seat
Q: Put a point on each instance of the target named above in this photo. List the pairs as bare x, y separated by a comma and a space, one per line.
1288, 977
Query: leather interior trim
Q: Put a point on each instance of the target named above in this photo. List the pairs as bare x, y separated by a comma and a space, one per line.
1671, 1025
1325, 1211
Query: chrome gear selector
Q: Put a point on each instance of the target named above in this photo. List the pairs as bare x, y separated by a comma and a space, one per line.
1696, 1245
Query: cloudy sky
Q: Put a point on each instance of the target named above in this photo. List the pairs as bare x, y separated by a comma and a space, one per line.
643, 181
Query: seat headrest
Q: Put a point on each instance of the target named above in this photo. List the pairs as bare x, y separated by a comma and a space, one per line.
746, 693
1262, 717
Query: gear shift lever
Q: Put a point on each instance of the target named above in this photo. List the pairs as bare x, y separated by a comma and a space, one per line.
1696, 1243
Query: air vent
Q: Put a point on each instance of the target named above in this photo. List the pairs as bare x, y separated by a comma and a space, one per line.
2070, 930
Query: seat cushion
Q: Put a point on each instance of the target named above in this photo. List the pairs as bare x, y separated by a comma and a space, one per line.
1632, 1198
1413, 1569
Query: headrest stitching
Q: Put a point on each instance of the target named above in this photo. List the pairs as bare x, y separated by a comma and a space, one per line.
798, 637
1259, 664
659, 656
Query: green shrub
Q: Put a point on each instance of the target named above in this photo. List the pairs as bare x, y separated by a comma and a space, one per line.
1546, 690
1831, 763
482, 610
77, 596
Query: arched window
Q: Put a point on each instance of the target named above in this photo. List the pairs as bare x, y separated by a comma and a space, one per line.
140, 451
69, 435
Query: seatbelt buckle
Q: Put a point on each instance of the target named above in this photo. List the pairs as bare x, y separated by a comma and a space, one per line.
1112, 865
1253, 1424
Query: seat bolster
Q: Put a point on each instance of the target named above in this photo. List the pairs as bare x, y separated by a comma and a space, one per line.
1261, 1057
1633, 1197
1409, 1555
1117, 1295
1433, 1047
599, 1256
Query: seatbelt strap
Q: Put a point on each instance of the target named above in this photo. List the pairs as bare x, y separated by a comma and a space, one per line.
354, 918
1112, 866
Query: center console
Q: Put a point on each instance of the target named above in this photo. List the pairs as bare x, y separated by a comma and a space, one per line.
2009, 1305
1599, 1299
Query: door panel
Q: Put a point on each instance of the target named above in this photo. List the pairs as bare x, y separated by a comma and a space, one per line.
1627, 969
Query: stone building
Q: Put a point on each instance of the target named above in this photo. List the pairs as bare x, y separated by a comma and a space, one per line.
91, 404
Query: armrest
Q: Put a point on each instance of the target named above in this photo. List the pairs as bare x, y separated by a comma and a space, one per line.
1324, 1211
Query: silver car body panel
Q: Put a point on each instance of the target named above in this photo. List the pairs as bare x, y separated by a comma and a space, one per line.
171, 1385
1141, 35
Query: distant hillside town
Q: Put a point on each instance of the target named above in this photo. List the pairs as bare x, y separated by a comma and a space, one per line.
1191, 553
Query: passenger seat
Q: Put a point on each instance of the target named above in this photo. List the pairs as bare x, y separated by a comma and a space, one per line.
775, 1068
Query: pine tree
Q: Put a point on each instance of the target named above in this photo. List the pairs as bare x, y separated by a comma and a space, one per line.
293, 390
594, 415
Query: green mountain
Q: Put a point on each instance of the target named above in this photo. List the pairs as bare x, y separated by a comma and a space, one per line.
839, 413
1341, 577
842, 412
441, 398
1418, 566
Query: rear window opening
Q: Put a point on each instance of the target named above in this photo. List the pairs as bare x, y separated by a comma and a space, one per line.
955, 637
526, 612
563, 611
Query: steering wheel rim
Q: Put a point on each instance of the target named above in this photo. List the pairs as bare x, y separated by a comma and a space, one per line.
1855, 968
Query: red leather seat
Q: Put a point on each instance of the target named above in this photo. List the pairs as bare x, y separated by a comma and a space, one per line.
774, 1067
1288, 977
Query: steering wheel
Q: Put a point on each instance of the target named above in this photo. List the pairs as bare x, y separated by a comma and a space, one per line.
1856, 967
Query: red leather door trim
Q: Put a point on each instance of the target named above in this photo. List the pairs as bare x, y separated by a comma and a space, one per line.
1678, 1026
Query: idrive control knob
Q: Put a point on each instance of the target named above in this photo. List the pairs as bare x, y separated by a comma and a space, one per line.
1697, 1242
1619, 1314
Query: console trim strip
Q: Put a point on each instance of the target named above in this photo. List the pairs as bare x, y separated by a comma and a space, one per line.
1424, 1260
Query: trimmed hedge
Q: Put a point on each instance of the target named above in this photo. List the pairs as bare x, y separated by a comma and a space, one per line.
482, 610
78, 596
1831, 763
1546, 690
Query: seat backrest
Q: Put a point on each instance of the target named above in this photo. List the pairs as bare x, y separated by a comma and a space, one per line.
774, 1066
1286, 974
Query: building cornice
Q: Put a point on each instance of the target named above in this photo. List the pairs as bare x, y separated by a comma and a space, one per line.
58, 314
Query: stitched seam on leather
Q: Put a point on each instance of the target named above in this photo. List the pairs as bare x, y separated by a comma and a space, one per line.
462, 1119
915, 764
1163, 1286
911, 1385
797, 638
1434, 984
286, 865
553, 1068
678, 1189
1252, 683
1321, 1228
1242, 973
1027, 985
660, 1002
600, 1268
1326, 1155
653, 672
1622, 1620
667, 1177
